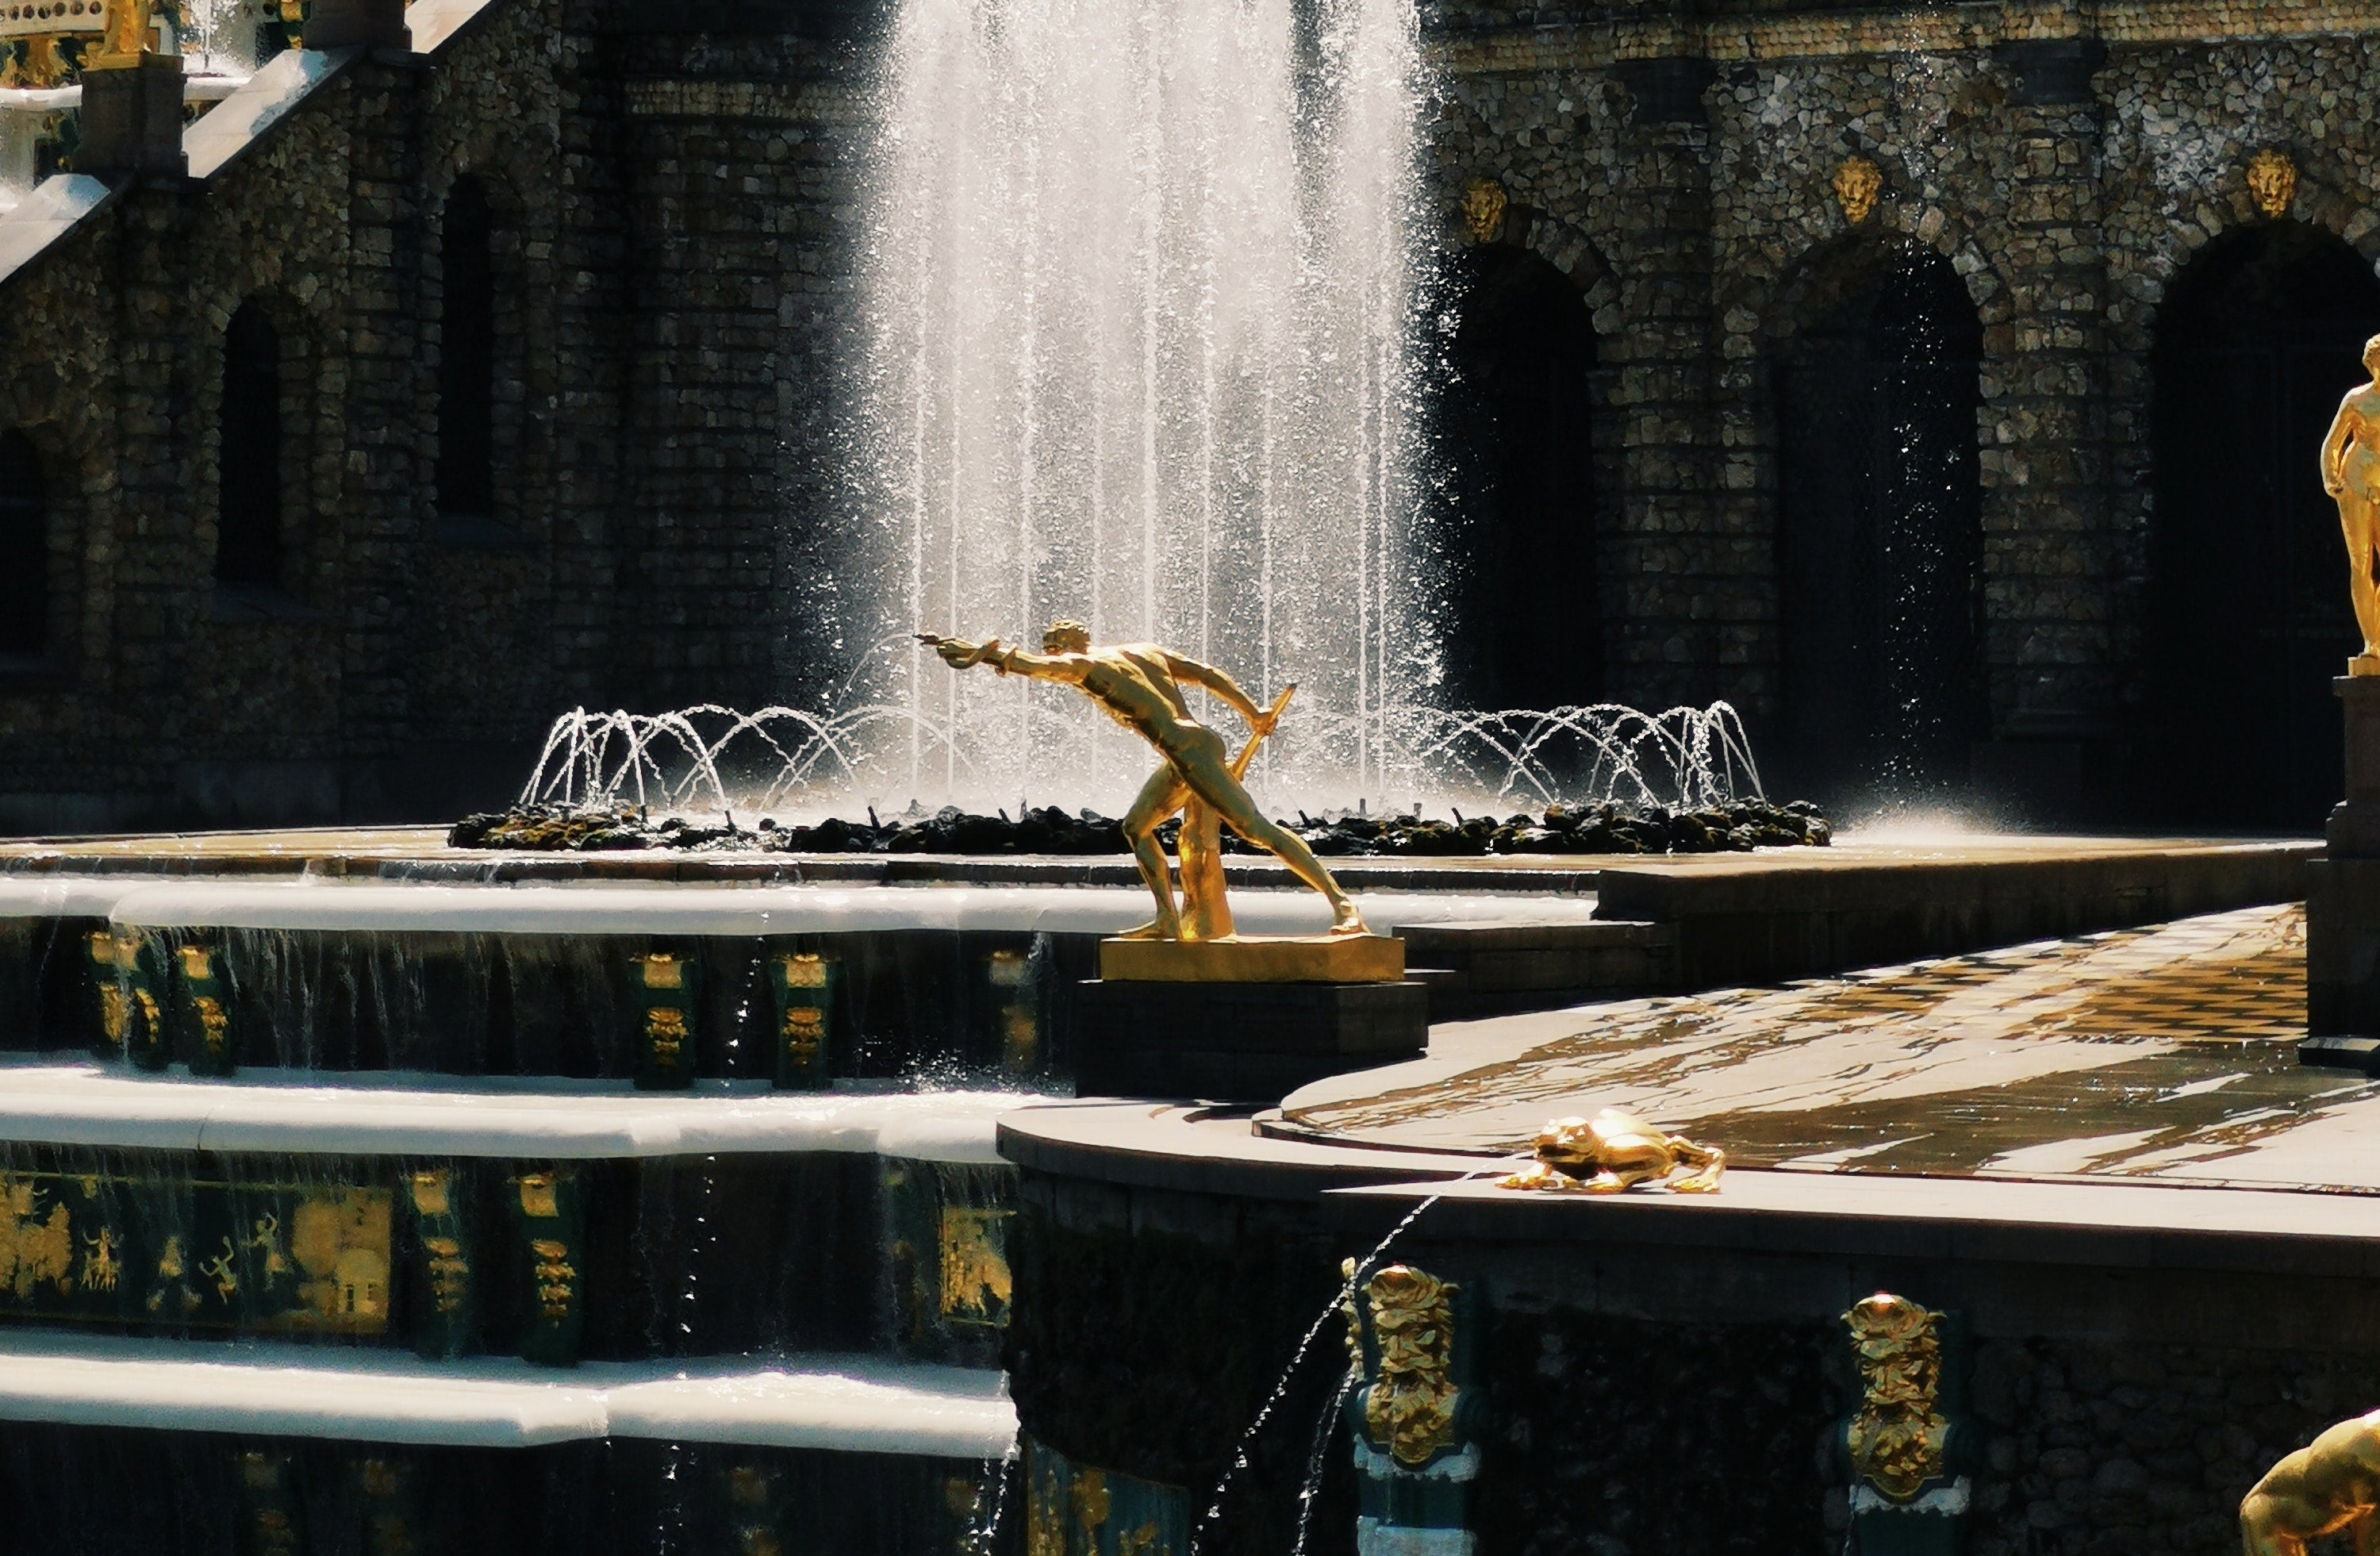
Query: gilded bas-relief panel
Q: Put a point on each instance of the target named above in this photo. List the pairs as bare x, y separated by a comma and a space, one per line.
274, 1257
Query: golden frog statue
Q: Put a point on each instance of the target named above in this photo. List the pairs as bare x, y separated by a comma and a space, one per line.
1616, 1151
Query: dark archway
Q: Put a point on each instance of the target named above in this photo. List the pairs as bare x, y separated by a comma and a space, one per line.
25, 545
1879, 534
466, 359
1519, 419
2248, 615
247, 527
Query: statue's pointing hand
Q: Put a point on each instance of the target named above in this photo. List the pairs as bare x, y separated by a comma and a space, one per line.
957, 652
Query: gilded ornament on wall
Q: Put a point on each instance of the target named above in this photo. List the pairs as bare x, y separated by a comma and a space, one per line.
1899, 1440
2273, 182
1857, 183
1409, 1412
1484, 204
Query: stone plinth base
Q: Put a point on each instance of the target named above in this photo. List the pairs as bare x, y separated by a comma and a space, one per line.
1239, 1042
372, 24
2343, 900
132, 118
1273, 960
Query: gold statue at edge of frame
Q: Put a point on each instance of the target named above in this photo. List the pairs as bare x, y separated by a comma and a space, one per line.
2351, 473
1139, 686
127, 35
2333, 1483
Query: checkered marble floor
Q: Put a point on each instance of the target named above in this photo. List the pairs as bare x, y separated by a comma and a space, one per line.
2167, 1052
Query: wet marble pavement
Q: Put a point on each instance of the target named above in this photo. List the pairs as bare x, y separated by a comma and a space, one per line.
2166, 1053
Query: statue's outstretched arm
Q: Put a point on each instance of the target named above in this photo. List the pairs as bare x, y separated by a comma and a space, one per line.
960, 654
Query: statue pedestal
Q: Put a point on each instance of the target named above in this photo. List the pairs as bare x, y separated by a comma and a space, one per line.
1243, 1020
132, 118
2343, 902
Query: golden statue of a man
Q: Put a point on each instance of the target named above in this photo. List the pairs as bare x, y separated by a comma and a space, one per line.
2351, 473
1139, 686
127, 35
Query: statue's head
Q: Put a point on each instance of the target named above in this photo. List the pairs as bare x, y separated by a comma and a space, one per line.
2372, 356
1067, 638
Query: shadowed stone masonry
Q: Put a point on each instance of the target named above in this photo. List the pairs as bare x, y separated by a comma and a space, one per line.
672, 192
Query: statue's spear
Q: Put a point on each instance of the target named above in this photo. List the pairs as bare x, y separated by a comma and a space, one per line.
1257, 735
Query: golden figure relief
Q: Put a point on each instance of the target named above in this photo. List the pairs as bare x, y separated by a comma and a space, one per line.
556, 1277
450, 1273
1045, 1517
1409, 1410
537, 1195
1484, 204
2351, 473
101, 1267
1857, 183
1089, 1496
661, 971
665, 1030
2272, 183
212, 1022
2330, 1485
33, 1248
975, 1265
265, 1240
1139, 686
153, 1020
805, 969
1613, 1151
379, 1476
429, 1190
115, 1014
805, 1030
1897, 1440
196, 964
1020, 1045
220, 1267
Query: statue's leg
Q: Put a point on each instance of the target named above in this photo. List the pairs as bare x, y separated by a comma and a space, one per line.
1205, 907
1239, 813
2359, 517
1158, 799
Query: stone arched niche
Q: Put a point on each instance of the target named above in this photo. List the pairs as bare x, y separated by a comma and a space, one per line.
1879, 527
24, 544
1517, 415
2247, 617
252, 459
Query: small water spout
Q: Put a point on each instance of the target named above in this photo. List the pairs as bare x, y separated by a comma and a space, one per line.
1358, 1272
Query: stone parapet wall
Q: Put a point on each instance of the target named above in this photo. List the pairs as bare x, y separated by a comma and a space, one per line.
675, 203
2066, 221
665, 256
1659, 1378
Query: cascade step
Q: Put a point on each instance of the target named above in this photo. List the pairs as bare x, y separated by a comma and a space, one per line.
852, 1404
292, 1111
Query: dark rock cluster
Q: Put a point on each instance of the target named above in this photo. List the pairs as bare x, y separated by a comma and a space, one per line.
1605, 829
